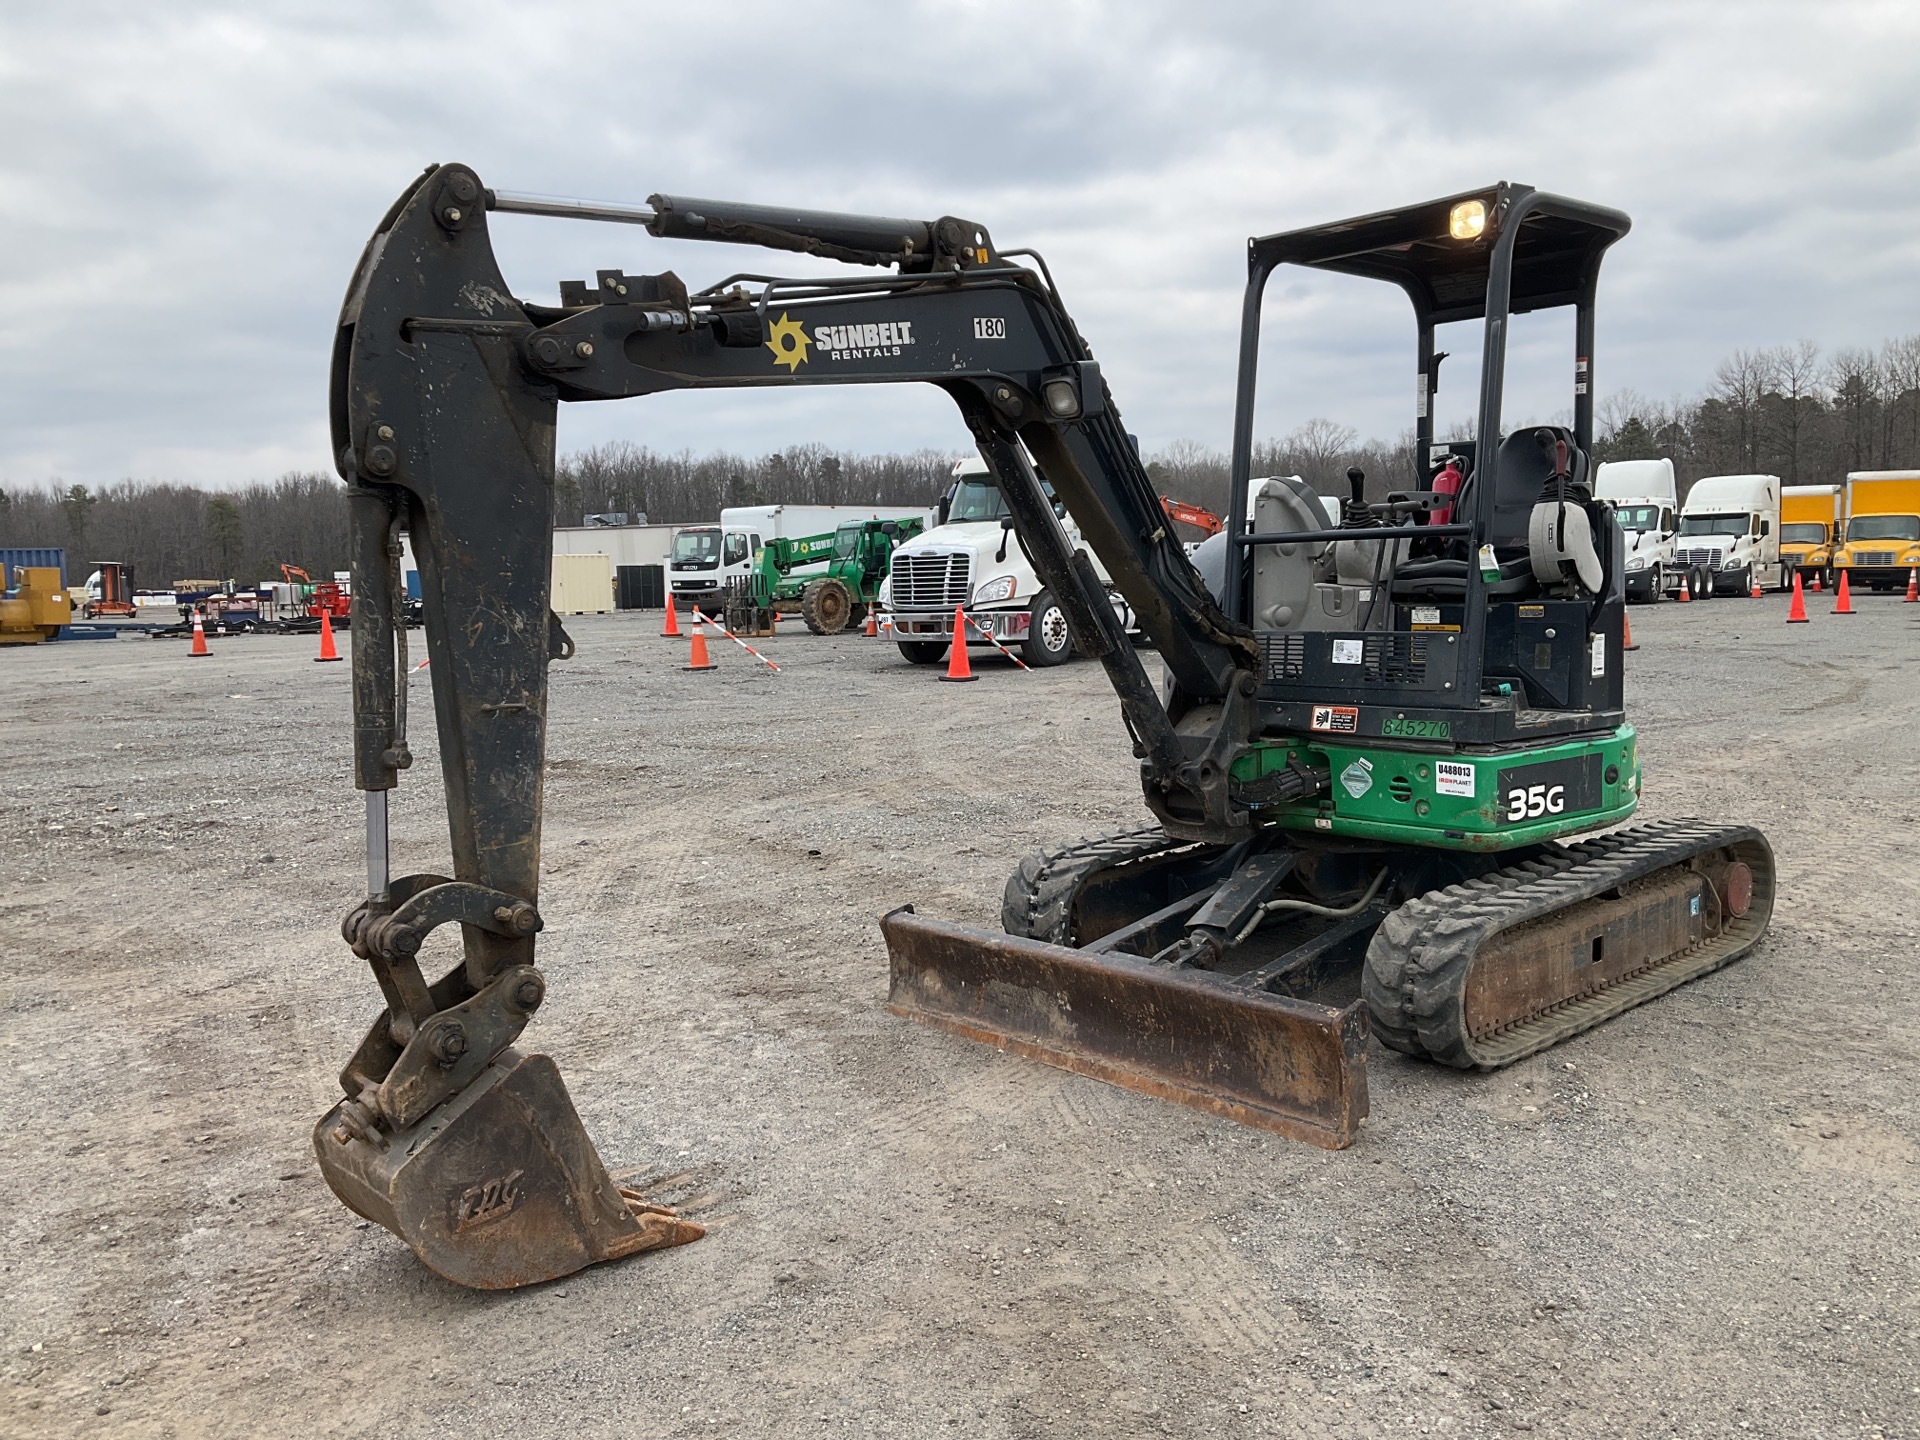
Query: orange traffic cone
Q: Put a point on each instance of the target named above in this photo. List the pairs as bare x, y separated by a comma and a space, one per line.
671, 630
1686, 596
873, 625
1797, 611
697, 658
199, 637
327, 652
1627, 642
957, 666
1755, 593
1913, 587
1817, 585
1843, 598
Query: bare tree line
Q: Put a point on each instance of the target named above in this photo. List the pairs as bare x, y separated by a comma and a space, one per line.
1783, 411
684, 489
170, 532
1786, 411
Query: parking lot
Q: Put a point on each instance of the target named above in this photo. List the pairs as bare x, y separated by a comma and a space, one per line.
1698, 1220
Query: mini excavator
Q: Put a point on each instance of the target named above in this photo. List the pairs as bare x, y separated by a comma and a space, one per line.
1367, 761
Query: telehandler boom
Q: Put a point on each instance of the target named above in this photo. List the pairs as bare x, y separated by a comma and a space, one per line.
1370, 741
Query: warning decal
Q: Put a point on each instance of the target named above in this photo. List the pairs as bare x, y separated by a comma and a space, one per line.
1337, 719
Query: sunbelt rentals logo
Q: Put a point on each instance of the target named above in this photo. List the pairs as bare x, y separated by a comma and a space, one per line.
788, 343
792, 346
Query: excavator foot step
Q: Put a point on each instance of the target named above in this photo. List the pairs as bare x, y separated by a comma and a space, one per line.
499, 1187
1286, 1065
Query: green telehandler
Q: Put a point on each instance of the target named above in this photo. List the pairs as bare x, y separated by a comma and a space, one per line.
857, 555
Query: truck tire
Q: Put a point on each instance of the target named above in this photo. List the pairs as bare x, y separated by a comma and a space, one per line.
826, 606
1048, 641
923, 652
1702, 583
1657, 591
857, 616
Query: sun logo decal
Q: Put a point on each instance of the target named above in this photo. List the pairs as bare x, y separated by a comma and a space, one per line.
789, 343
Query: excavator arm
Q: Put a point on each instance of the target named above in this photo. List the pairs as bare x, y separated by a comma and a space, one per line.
445, 393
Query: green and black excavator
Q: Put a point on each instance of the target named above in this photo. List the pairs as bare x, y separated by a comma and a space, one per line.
1373, 748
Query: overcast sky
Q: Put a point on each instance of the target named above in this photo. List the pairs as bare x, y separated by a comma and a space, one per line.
184, 189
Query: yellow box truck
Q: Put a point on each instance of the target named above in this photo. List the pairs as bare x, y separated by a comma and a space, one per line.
1812, 521
1883, 528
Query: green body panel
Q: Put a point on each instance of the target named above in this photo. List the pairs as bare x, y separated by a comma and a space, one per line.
1455, 800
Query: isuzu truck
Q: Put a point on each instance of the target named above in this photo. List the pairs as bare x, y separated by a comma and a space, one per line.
1883, 528
1812, 523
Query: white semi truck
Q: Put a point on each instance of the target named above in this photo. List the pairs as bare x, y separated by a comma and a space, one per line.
973, 559
706, 557
1647, 502
1729, 534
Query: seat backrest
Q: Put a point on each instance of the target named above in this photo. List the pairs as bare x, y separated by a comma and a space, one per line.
1525, 466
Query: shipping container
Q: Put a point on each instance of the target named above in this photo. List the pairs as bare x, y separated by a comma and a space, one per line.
39, 555
582, 584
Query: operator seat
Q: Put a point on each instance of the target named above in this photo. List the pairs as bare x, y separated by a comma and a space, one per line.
1527, 461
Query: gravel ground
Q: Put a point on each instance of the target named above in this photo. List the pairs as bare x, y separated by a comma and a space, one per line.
1698, 1220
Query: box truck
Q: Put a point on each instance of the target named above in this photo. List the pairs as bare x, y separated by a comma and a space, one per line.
1729, 534
705, 558
1647, 502
1812, 523
1883, 528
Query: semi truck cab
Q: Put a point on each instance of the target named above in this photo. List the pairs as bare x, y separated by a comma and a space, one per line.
973, 560
1646, 500
1729, 533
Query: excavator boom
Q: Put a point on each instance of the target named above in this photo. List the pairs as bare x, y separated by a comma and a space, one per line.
445, 395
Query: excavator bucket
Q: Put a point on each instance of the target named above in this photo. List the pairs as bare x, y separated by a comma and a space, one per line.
499, 1187
1285, 1065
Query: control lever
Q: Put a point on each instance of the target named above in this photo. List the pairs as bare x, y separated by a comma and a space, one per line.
1554, 444
1356, 514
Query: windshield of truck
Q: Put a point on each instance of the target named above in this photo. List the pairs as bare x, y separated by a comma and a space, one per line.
1803, 534
1639, 517
1884, 527
696, 550
846, 540
1713, 524
978, 497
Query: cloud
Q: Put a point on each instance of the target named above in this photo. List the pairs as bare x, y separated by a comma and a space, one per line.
186, 188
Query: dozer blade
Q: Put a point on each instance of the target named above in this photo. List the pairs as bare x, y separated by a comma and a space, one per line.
497, 1188
1284, 1065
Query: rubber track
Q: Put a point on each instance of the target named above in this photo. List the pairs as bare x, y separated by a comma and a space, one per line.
1417, 963
1038, 903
